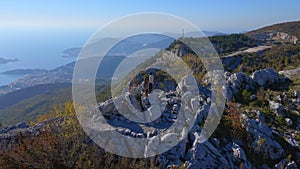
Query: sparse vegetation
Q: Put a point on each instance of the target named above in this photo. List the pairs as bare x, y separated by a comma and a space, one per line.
64, 146
287, 27
281, 57
231, 125
229, 43
30, 108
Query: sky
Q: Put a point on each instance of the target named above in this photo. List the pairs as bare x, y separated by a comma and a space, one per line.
212, 15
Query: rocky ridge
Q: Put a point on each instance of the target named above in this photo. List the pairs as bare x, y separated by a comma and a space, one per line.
191, 152
276, 36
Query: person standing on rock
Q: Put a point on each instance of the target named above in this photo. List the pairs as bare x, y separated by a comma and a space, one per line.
146, 86
151, 80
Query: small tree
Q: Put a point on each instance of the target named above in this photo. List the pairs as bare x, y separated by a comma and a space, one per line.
235, 122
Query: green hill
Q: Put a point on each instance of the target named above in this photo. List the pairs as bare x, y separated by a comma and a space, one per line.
27, 104
292, 28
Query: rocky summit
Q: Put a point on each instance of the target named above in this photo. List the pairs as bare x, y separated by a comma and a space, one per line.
263, 139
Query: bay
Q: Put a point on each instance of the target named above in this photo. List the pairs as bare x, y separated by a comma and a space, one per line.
37, 48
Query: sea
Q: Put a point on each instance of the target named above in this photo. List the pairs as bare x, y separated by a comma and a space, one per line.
37, 48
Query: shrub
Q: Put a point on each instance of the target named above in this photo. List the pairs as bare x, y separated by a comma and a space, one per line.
230, 126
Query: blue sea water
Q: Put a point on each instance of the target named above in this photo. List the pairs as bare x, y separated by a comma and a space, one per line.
37, 48
5, 79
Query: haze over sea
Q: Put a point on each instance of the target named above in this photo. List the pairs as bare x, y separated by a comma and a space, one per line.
37, 48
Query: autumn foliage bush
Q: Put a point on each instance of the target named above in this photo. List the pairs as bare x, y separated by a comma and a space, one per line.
63, 144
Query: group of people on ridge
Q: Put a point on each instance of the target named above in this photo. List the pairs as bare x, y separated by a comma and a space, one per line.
148, 84
147, 88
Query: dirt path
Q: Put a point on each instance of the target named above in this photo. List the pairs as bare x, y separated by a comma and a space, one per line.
249, 50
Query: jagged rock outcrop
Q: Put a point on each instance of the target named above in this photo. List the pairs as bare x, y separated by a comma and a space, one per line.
9, 135
291, 165
205, 155
284, 164
190, 152
180, 50
276, 36
265, 77
210, 154
237, 82
264, 141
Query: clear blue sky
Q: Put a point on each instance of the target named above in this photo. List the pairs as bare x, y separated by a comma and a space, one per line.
220, 15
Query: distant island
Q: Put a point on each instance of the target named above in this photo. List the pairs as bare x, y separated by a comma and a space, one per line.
24, 71
128, 46
71, 52
4, 61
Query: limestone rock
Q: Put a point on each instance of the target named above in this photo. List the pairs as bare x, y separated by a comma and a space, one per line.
107, 107
289, 122
265, 77
280, 165
277, 36
237, 82
277, 108
264, 141
238, 153
205, 155
291, 165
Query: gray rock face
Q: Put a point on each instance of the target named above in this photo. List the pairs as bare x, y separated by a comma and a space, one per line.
277, 36
187, 84
284, 165
238, 153
280, 165
180, 51
291, 165
173, 157
265, 77
210, 155
264, 141
290, 138
9, 135
22, 125
283, 36
237, 82
205, 155
108, 107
